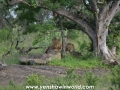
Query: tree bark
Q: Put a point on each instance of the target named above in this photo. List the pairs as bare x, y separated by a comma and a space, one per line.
62, 35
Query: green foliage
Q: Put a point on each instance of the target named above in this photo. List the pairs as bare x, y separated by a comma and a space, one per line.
91, 79
113, 38
84, 47
73, 62
54, 4
28, 15
50, 4
4, 40
1, 1
45, 40
115, 80
11, 84
73, 34
42, 28
68, 80
12, 59
16, 33
32, 2
42, 35
34, 79
114, 33
32, 28
71, 77
25, 12
3, 35
68, 24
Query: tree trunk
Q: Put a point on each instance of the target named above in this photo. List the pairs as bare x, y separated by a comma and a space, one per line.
63, 44
102, 45
62, 35
101, 48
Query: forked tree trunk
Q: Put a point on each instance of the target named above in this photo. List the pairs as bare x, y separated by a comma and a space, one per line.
102, 21
101, 49
100, 46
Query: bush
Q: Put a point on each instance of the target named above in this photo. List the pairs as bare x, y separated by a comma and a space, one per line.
3, 35
115, 80
84, 47
34, 79
90, 79
73, 34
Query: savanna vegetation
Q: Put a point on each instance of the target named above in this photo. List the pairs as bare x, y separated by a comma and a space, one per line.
28, 26
105, 82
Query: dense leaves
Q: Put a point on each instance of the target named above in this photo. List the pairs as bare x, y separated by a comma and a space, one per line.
114, 33
25, 12
42, 28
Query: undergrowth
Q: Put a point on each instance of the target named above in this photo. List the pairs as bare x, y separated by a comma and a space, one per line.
81, 62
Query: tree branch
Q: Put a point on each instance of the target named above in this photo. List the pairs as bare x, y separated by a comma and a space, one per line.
93, 6
13, 2
113, 10
89, 21
85, 26
104, 12
31, 48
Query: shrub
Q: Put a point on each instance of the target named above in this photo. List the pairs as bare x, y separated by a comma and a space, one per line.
115, 80
90, 79
34, 79
73, 34
3, 35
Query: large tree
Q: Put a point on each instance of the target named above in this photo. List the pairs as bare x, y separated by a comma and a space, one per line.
93, 16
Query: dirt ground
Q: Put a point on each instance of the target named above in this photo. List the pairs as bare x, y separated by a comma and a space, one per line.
17, 73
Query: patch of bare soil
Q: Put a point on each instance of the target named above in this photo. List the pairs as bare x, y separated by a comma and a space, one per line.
18, 73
